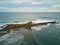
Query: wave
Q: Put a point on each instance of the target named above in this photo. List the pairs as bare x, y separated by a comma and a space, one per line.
12, 37
37, 28
41, 21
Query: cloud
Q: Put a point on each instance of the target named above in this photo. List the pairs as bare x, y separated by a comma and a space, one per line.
37, 2
15, 1
29, 5
29, 9
24, 9
56, 6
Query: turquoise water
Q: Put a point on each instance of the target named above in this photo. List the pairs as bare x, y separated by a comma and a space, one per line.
49, 35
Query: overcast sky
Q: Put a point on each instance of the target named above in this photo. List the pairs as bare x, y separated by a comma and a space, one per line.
29, 5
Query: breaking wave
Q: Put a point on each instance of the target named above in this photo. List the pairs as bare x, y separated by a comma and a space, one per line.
37, 28
41, 21
13, 38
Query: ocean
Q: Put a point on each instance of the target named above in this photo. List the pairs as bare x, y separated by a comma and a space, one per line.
45, 35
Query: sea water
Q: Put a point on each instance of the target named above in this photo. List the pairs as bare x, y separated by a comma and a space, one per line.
41, 35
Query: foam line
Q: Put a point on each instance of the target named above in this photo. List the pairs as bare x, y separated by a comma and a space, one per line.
41, 21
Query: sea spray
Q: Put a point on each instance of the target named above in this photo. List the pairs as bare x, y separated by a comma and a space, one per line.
12, 38
41, 21
37, 28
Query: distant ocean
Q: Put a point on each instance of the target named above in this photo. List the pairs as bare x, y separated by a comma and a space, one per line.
48, 35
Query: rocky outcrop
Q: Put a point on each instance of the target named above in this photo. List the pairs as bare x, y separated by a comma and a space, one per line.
27, 25
6, 29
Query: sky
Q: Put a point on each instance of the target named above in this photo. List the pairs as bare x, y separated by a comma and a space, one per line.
29, 5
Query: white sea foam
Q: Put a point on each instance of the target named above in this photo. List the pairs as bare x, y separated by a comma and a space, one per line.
12, 38
59, 23
37, 28
17, 22
41, 21
1, 25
